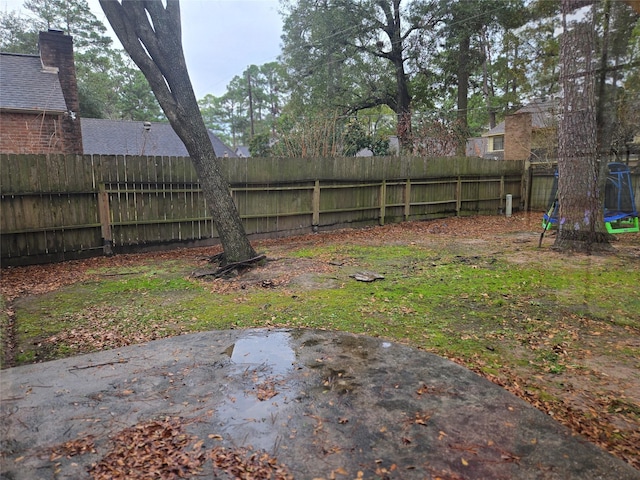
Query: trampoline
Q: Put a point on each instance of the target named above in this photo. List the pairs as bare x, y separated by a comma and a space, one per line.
620, 213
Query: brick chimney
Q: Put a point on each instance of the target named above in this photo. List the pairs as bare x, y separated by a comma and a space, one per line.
517, 136
56, 51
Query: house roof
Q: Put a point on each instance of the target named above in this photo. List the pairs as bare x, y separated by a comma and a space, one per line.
124, 137
25, 85
497, 130
542, 116
243, 151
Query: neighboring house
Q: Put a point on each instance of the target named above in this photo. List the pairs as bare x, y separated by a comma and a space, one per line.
530, 132
243, 151
39, 111
39, 99
123, 137
494, 142
476, 147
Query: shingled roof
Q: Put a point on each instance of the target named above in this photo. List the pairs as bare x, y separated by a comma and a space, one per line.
27, 86
123, 137
542, 116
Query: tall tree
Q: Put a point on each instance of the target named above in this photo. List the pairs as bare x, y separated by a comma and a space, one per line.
17, 34
354, 54
465, 28
150, 32
275, 96
615, 27
217, 117
135, 100
581, 222
239, 101
251, 105
629, 102
321, 67
390, 22
75, 18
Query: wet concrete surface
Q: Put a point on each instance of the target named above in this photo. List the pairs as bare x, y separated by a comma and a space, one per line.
325, 404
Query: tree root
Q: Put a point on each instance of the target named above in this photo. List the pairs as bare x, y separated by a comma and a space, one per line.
583, 242
230, 269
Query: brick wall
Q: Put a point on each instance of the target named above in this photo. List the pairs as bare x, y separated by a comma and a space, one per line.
517, 136
31, 133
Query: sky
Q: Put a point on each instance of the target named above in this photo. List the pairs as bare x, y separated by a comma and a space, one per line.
220, 38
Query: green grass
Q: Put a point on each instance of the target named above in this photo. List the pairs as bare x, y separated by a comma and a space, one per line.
471, 306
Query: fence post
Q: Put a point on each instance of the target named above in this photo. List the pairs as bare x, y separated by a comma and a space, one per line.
407, 199
383, 201
458, 196
105, 219
501, 193
527, 180
315, 206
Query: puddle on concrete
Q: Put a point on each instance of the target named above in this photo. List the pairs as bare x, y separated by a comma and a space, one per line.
272, 350
262, 364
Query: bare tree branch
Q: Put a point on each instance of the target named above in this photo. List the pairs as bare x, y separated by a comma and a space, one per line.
129, 24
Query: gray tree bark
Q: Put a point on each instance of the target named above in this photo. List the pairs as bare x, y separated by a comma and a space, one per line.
402, 106
151, 34
463, 92
581, 223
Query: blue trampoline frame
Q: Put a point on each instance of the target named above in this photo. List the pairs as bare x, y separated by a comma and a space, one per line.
617, 219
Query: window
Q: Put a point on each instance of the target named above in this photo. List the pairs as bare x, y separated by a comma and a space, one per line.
497, 143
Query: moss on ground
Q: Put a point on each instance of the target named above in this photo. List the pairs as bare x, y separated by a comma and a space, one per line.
479, 305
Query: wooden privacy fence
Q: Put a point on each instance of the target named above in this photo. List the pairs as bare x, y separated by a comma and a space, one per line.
59, 207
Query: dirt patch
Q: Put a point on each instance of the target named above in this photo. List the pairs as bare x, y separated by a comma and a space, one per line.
276, 272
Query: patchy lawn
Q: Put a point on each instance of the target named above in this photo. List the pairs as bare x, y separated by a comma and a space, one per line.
560, 331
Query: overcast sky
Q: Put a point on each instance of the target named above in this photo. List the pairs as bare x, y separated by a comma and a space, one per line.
221, 38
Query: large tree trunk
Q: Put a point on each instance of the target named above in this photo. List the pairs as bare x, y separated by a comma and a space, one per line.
463, 93
487, 82
581, 222
604, 130
151, 35
402, 109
